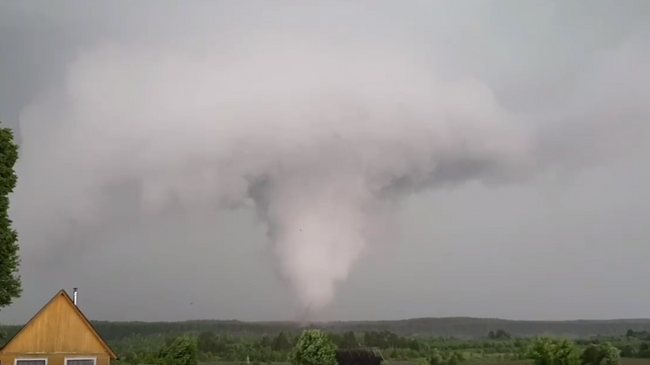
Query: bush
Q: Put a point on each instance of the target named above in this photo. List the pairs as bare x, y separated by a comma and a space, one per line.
603, 354
313, 348
548, 351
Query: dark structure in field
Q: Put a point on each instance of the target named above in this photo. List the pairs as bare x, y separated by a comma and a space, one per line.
359, 357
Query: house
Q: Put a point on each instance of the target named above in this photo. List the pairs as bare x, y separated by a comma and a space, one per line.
59, 334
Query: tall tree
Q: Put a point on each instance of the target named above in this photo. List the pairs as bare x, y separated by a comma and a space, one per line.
313, 348
181, 351
10, 284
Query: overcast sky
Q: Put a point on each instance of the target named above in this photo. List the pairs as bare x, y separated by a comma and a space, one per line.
569, 241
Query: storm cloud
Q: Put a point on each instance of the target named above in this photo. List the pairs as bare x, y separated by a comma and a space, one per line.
326, 121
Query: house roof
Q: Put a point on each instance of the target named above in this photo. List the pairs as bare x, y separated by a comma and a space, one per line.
62, 293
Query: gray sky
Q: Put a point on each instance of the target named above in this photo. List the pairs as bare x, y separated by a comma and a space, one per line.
559, 235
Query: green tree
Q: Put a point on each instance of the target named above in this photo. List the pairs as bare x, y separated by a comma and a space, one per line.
436, 358
182, 351
542, 351
10, 285
313, 348
590, 355
453, 359
566, 353
548, 351
609, 355
644, 351
628, 351
603, 354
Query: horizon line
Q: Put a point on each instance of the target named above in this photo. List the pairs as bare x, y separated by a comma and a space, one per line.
640, 319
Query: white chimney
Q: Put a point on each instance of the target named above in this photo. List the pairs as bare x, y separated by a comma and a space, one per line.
74, 296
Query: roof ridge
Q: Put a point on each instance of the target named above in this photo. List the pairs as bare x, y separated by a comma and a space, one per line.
63, 293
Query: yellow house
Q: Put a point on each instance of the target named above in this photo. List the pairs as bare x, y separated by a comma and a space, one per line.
59, 334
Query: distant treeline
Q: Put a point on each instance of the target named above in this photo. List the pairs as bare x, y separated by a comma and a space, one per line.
455, 340
462, 327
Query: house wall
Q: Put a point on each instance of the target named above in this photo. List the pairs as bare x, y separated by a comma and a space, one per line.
57, 332
57, 329
54, 359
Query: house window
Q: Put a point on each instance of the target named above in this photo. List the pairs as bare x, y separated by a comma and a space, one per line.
31, 361
85, 361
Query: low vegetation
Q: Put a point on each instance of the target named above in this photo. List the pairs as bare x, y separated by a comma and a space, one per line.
232, 342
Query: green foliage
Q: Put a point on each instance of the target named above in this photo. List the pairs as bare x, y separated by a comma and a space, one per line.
602, 354
183, 350
313, 348
10, 284
542, 351
644, 351
233, 342
282, 342
590, 355
629, 351
436, 358
566, 353
610, 355
549, 351
143, 358
451, 358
